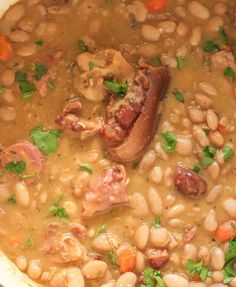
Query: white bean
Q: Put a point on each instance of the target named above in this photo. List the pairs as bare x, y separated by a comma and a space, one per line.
220, 8
195, 36
141, 236
147, 161
34, 269
7, 77
201, 136
204, 254
74, 277
26, 25
105, 242
26, 50
203, 101
215, 23
71, 208
109, 284
168, 177
167, 26
139, 11
214, 193
127, 279
22, 194
212, 119
213, 170
156, 174
160, 152
182, 29
159, 237
21, 262
168, 60
197, 284
233, 282
229, 206
94, 269
15, 13
180, 11
176, 210
154, 201
216, 139
175, 280
210, 222
198, 10
189, 252
19, 36
140, 262
196, 116
150, 32
139, 205
218, 276
208, 88
217, 258
184, 145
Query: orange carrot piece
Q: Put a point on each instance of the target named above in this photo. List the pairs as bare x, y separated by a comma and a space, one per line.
5, 49
155, 5
196, 278
126, 260
226, 230
222, 129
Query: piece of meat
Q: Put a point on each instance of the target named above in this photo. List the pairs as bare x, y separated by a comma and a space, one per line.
29, 154
152, 87
189, 183
79, 231
106, 190
232, 15
42, 85
157, 258
70, 121
223, 59
190, 233
62, 248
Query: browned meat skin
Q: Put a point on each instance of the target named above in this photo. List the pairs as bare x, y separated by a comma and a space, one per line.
106, 190
154, 83
70, 120
157, 258
190, 233
189, 183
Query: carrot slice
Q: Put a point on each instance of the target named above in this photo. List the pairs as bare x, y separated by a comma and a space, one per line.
222, 129
196, 278
155, 5
226, 230
126, 260
5, 49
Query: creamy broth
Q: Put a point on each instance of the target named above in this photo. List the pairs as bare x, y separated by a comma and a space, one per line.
195, 41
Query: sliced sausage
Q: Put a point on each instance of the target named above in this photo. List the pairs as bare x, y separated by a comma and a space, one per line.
157, 258
189, 183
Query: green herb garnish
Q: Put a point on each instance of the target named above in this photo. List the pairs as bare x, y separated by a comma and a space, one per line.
46, 141
27, 89
50, 85
230, 258
196, 169
209, 153
170, 141
180, 62
198, 269
40, 70
135, 165
230, 73
82, 46
86, 167
223, 36
90, 65
179, 96
117, 88
3, 90
112, 258
152, 277
29, 242
157, 221
210, 46
228, 153
101, 228
39, 42
11, 200
16, 167
56, 210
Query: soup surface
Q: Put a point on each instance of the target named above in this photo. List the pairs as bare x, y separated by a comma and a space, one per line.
97, 189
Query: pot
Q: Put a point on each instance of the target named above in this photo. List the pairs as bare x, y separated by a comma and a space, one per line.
10, 275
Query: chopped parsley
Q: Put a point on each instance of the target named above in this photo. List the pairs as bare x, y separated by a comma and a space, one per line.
11, 200
112, 258
82, 46
198, 269
3, 90
180, 62
152, 277
29, 242
179, 96
50, 85
196, 168
27, 89
230, 258
157, 221
234, 54
210, 46
39, 42
16, 167
117, 88
135, 165
170, 141
86, 167
230, 73
101, 228
223, 35
46, 141
90, 65
56, 210
40, 70
228, 153
209, 153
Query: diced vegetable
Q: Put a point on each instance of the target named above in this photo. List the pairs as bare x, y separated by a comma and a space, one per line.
196, 168
198, 269
209, 153
230, 258
112, 258
117, 88
27, 89
180, 62
82, 46
11, 200
101, 228
40, 71
46, 141
86, 167
226, 230
230, 73
29, 242
170, 141
135, 165
56, 210
39, 42
5, 49
126, 260
90, 65
179, 96
228, 153
16, 167
157, 221
155, 5
152, 277
210, 46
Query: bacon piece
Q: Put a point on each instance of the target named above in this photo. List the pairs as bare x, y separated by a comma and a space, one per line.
189, 183
27, 152
190, 233
79, 231
151, 84
157, 258
72, 123
106, 190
